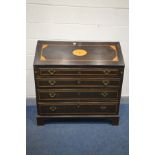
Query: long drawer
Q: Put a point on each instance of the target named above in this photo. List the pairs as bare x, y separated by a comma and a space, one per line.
76, 72
50, 109
72, 94
77, 82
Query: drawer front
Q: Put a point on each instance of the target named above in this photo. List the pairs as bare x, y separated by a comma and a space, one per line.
61, 82
77, 109
73, 94
68, 72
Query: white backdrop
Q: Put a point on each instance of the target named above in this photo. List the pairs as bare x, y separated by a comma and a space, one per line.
82, 20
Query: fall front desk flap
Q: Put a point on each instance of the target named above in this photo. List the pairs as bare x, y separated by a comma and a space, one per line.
78, 53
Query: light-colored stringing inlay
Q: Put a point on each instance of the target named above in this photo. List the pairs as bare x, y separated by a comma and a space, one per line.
78, 52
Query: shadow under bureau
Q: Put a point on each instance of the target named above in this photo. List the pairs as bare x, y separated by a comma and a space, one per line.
77, 80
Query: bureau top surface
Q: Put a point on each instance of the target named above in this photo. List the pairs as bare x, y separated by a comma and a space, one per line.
60, 53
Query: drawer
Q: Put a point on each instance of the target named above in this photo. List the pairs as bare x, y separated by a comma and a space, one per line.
47, 109
76, 72
80, 94
70, 82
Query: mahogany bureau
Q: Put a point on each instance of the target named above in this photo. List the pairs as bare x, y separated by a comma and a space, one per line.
78, 80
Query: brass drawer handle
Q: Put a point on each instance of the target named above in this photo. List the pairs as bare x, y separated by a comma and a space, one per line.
52, 82
51, 71
104, 94
52, 94
52, 108
106, 72
103, 107
105, 82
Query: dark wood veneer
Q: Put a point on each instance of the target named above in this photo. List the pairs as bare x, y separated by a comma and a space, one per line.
78, 87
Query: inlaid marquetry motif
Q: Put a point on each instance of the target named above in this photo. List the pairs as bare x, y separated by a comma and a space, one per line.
78, 80
116, 54
79, 52
42, 58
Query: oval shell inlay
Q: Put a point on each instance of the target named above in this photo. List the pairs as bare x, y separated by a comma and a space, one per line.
79, 52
